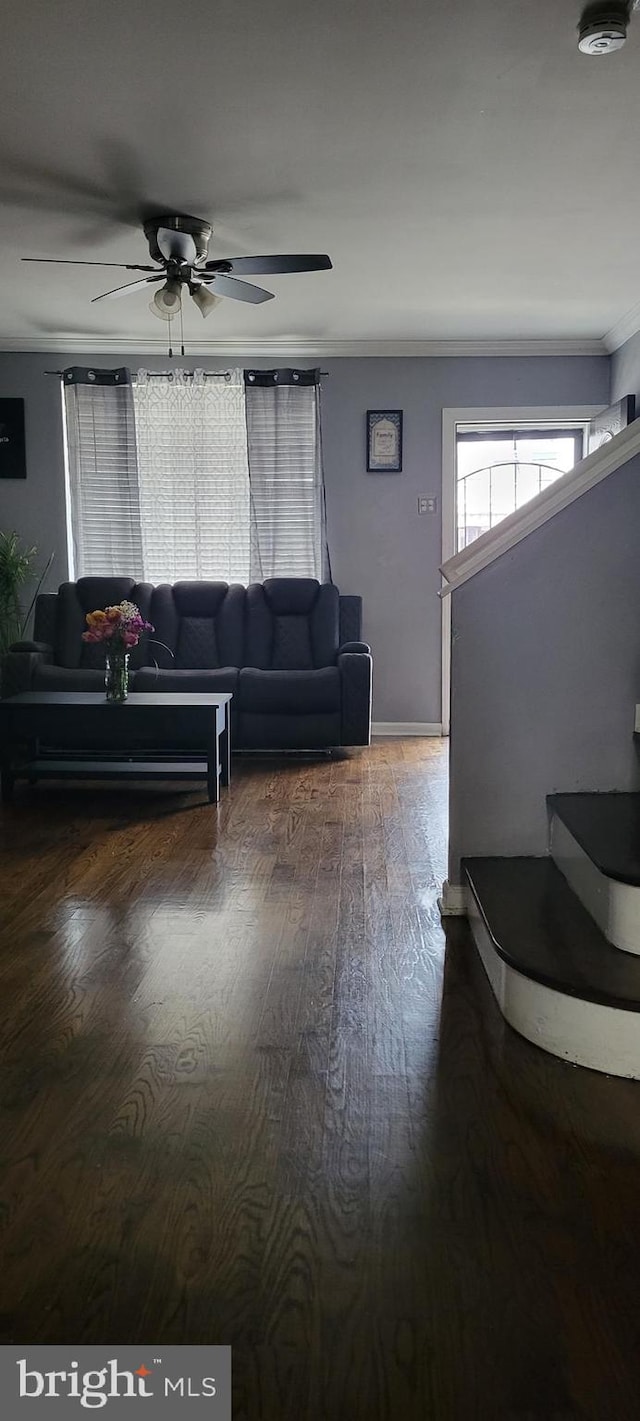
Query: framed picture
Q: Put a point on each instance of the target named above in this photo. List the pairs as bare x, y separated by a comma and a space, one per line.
12, 450
384, 441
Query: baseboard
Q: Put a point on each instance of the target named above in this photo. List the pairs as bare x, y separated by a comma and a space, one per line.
454, 900
406, 727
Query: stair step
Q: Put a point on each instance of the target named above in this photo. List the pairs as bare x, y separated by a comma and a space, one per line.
539, 927
555, 977
607, 828
595, 842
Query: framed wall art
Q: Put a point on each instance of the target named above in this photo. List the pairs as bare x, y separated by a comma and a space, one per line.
384, 441
12, 447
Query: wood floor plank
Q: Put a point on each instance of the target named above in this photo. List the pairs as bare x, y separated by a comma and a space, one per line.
247, 1097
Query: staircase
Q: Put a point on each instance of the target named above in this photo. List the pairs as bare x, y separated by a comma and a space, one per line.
559, 937
543, 681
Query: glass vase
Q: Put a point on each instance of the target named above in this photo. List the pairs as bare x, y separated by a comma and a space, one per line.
116, 676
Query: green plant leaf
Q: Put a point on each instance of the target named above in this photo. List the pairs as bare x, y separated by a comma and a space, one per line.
16, 568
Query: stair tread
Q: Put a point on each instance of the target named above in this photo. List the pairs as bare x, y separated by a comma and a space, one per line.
540, 928
607, 827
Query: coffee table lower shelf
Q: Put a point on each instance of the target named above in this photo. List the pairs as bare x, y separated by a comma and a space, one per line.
36, 716
51, 769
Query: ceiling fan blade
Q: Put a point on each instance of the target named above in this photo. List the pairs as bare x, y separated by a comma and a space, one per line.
250, 266
176, 246
130, 286
238, 290
70, 261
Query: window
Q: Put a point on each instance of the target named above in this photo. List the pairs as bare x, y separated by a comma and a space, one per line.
499, 469
195, 475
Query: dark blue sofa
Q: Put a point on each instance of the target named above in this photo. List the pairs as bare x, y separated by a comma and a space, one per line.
288, 649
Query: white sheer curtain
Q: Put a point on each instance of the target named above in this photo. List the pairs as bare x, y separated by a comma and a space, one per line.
193, 475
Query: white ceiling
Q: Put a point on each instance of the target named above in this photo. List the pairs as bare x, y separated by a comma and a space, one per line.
471, 174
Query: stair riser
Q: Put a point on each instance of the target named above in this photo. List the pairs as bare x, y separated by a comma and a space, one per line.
614, 906
603, 1038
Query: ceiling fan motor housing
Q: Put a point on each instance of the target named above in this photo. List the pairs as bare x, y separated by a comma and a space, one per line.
193, 226
603, 26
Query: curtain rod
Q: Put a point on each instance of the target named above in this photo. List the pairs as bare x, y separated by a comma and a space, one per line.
166, 374
209, 374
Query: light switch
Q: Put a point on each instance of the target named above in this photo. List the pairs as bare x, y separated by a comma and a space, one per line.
427, 505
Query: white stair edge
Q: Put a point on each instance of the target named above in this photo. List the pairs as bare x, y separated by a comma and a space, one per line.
614, 906
603, 1038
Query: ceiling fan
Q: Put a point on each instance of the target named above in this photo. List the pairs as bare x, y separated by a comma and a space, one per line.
179, 246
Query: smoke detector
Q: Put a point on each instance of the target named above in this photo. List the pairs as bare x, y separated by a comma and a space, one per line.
603, 27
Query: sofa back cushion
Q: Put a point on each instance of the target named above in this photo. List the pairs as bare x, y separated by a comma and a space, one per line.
292, 624
90, 594
200, 626
283, 624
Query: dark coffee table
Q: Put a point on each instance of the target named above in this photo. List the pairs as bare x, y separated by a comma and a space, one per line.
131, 736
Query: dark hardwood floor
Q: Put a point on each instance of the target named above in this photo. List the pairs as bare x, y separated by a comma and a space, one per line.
246, 1098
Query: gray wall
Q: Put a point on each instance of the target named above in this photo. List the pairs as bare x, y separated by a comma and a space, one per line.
625, 370
379, 545
546, 673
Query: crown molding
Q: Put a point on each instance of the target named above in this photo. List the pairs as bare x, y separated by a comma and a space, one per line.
292, 349
622, 330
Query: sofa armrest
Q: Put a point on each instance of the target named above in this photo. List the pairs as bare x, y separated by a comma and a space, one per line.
42, 647
19, 666
355, 669
355, 646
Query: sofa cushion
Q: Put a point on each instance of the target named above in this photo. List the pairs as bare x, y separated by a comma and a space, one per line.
292, 624
291, 596
288, 732
90, 594
198, 626
289, 692
291, 650
223, 678
197, 648
73, 678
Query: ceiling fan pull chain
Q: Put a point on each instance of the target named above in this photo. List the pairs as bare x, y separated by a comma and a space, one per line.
181, 331
170, 346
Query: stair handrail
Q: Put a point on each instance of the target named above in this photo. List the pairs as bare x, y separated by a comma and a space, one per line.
505, 535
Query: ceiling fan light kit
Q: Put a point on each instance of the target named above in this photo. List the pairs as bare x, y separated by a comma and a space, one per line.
167, 301
179, 246
204, 300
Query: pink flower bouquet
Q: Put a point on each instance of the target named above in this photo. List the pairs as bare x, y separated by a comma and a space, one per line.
120, 627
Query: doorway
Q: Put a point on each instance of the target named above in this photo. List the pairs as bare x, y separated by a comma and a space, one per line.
493, 462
